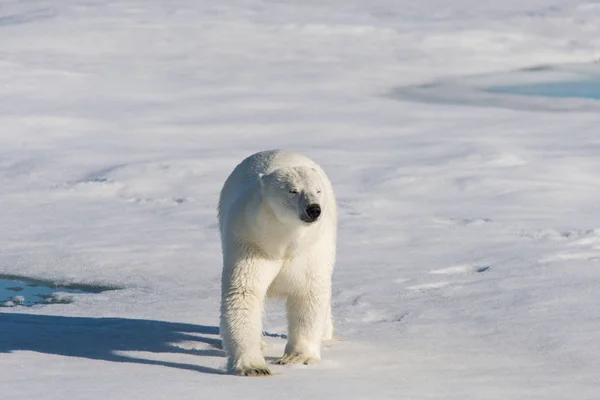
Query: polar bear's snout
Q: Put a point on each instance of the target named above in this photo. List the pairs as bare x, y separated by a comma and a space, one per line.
312, 213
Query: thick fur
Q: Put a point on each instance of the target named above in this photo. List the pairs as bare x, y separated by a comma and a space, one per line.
270, 251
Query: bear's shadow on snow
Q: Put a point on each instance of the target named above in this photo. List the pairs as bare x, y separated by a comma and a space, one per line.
104, 338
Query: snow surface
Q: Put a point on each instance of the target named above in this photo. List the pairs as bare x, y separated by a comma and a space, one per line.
469, 246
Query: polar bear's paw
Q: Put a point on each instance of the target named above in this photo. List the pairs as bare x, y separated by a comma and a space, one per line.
253, 371
297, 358
249, 366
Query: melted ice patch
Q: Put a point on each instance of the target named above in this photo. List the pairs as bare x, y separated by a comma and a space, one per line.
558, 88
22, 291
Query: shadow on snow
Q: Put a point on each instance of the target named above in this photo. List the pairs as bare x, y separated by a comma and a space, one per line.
103, 338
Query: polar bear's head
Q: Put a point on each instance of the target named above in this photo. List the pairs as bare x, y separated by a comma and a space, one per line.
295, 194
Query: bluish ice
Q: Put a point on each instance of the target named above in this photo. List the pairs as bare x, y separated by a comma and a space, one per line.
587, 89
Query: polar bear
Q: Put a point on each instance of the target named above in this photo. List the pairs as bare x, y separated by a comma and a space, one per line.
278, 223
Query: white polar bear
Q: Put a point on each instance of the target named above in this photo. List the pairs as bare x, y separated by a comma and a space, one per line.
278, 222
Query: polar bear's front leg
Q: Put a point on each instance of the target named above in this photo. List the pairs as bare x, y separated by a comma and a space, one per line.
244, 286
307, 315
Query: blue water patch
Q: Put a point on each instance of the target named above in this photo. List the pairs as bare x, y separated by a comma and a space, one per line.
22, 291
543, 88
587, 89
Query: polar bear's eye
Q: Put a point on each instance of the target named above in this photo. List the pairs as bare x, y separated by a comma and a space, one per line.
318, 191
293, 191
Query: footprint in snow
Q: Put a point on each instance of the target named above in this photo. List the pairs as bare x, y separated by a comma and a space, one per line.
461, 269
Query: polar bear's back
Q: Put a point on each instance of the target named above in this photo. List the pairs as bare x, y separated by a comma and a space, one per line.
266, 162
245, 175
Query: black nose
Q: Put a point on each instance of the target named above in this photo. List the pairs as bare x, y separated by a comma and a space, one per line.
313, 211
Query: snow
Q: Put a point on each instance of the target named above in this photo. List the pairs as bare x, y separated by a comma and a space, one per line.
469, 235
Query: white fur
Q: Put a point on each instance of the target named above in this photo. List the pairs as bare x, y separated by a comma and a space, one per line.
268, 250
